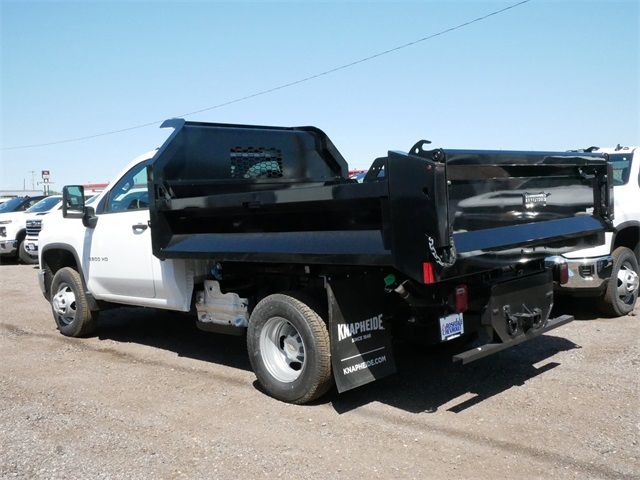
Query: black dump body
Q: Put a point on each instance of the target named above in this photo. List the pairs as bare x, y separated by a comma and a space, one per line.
238, 193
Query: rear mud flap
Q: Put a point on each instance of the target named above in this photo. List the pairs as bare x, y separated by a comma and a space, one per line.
360, 342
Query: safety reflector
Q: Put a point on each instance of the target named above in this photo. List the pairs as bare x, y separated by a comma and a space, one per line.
427, 273
462, 298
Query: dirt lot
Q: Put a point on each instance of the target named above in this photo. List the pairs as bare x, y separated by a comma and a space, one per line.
151, 397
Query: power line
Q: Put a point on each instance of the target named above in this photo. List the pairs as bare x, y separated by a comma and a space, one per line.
284, 85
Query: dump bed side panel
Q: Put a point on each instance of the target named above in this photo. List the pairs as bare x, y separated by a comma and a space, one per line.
262, 194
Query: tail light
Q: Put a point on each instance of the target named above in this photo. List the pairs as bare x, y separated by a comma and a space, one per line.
462, 298
427, 273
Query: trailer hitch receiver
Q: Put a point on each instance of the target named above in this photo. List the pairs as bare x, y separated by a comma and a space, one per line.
523, 321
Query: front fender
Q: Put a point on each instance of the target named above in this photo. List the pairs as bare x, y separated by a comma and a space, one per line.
55, 256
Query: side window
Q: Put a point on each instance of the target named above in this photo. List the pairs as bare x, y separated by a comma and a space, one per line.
130, 193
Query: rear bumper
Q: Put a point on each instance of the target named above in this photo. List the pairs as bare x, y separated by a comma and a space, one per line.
491, 348
587, 273
517, 311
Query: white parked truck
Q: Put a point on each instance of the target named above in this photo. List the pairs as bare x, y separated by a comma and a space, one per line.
13, 218
610, 271
259, 230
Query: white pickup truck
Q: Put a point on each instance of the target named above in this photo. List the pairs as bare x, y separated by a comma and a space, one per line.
610, 271
13, 223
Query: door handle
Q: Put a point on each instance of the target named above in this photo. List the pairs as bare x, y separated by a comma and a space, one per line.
139, 227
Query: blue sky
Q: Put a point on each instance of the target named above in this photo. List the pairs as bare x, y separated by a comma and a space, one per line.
544, 76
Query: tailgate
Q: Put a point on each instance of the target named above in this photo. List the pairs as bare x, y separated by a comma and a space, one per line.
483, 209
490, 190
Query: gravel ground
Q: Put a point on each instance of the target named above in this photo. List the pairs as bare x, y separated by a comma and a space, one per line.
152, 397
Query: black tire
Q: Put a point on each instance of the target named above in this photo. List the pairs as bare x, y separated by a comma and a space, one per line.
280, 326
69, 304
24, 255
624, 274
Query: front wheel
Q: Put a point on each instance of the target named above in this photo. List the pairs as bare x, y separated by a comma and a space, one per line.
69, 304
622, 288
289, 348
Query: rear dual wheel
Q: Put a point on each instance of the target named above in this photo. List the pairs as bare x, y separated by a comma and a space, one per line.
289, 348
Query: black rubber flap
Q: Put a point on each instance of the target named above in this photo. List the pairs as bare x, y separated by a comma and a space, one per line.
360, 340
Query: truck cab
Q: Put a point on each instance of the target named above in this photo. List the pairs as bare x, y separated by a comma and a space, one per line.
610, 271
115, 257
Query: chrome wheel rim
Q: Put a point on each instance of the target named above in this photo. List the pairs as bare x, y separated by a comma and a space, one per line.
628, 282
282, 349
64, 304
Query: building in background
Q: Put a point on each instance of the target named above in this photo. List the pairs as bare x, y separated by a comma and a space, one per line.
93, 188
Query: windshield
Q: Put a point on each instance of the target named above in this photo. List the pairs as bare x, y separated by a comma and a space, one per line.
621, 163
44, 205
11, 205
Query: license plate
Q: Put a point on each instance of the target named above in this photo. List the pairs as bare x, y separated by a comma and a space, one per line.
451, 326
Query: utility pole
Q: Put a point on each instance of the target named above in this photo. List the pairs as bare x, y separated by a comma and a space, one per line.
33, 179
